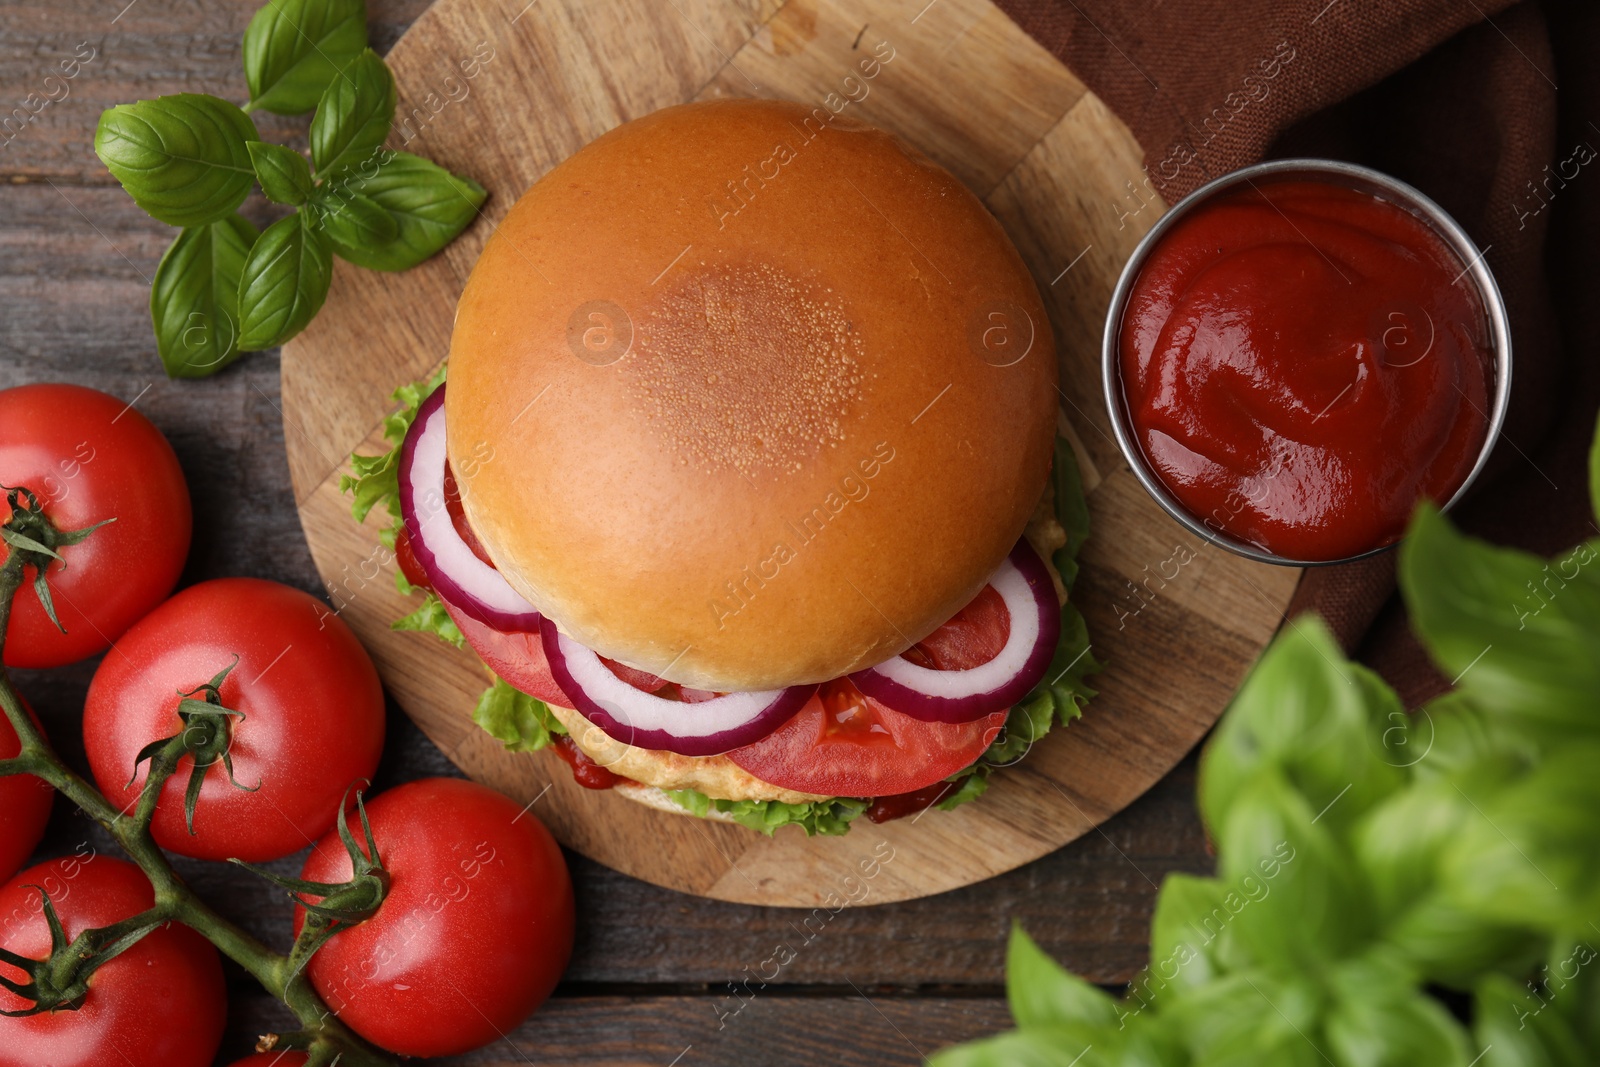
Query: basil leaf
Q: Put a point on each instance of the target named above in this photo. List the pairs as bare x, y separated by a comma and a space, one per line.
1191, 916
293, 49
356, 221
1315, 907
353, 115
1528, 855
1379, 1016
1400, 848
1521, 635
284, 283
1250, 1018
1317, 719
1047, 1047
194, 300
429, 205
1518, 1029
284, 174
1042, 993
183, 158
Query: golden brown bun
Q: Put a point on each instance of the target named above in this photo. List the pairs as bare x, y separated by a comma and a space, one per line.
749, 399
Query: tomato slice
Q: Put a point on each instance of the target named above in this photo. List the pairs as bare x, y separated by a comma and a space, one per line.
973, 636
843, 743
458, 516
517, 657
406, 557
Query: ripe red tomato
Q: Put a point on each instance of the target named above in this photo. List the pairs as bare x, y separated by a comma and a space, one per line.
24, 805
160, 1002
272, 1059
89, 457
313, 716
843, 743
474, 933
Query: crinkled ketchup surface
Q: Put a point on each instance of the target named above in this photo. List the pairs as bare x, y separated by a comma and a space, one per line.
1302, 363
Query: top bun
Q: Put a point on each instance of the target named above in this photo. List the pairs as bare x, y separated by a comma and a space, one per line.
749, 395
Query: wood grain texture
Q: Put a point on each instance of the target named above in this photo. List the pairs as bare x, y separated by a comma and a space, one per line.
778, 1027
1177, 621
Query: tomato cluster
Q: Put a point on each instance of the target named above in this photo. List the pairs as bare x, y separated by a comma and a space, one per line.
269, 712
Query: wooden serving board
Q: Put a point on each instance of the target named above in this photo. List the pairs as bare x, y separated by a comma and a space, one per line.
503, 90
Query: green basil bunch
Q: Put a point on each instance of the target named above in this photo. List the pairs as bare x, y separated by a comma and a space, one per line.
190, 160
1369, 858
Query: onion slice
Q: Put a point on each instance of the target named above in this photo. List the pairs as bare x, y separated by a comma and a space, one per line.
1024, 584
455, 571
634, 717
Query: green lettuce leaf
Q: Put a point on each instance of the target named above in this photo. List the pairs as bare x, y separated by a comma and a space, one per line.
827, 817
430, 618
520, 722
375, 480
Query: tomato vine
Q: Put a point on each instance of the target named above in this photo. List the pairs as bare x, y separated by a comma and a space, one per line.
60, 981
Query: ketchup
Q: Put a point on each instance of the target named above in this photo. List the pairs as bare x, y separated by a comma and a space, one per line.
585, 771
887, 809
1302, 363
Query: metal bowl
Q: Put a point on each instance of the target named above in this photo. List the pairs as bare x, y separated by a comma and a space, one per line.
1348, 174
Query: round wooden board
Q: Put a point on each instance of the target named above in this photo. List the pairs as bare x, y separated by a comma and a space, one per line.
503, 90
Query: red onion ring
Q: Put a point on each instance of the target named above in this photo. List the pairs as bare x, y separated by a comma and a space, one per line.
455, 572
1024, 584
703, 728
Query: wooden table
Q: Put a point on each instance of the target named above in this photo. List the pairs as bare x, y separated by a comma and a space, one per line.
650, 981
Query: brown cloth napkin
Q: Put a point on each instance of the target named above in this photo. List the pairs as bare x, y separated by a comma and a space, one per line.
1488, 107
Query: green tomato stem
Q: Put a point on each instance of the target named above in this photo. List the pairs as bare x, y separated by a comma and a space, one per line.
327, 1039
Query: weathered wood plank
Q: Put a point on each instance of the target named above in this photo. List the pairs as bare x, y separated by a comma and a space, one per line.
775, 1029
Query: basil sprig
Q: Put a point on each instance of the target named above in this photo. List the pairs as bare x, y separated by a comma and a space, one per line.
190, 160
1368, 857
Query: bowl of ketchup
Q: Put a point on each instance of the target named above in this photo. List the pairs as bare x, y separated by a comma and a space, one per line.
1300, 352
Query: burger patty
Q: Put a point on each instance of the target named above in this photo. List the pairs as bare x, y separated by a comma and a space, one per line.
720, 778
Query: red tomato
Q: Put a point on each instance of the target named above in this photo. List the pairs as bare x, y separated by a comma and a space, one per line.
272, 1059
89, 457
474, 933
161, 1002
313, 716
24, 805
843, 743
